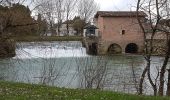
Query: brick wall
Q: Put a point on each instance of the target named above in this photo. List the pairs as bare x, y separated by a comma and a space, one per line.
111, 28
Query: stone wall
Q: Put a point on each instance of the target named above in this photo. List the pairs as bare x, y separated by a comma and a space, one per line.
103, 46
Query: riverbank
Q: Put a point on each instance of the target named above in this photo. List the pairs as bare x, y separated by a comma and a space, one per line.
22, 91
47, 38
7, 47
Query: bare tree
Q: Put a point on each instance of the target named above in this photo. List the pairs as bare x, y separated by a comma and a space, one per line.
155, 10
47, 10
70, 10
54, 12
59, 14
87, 9
58, 11
93, 73
168, 84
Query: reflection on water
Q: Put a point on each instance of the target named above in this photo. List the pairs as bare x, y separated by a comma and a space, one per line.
66, 64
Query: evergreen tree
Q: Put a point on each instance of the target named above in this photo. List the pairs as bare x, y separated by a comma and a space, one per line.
78, 25
42, 25
17, 20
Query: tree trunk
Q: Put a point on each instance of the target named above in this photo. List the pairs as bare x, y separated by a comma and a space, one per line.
168, 85
150, 79
67, 29
162, 73
141, 81
67, 25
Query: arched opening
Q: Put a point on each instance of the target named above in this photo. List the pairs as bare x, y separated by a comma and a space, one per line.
131, 48
114, 49
93, 49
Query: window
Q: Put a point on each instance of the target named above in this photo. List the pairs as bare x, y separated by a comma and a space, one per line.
123, 32
92, 31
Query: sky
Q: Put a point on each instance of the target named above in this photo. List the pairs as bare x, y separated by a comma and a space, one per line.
116, 5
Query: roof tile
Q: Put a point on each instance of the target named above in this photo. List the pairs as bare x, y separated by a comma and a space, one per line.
119, 14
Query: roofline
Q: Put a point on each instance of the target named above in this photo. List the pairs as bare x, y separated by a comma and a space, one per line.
95, 27
97, 14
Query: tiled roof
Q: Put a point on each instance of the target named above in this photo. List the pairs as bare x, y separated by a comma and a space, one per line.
90, 26
119, 14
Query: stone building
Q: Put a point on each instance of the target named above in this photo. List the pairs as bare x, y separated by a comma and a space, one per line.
119, 32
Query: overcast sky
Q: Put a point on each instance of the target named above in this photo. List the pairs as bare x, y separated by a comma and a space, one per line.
114, 5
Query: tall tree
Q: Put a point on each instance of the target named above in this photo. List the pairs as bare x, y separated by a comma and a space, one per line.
78, 25
46, 9
156, 10
42, 25
53, 12
59, 14
59, 11
17, 20
12, 16
69, 10
87, 9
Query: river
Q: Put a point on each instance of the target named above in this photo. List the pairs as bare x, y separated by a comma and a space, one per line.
66, 64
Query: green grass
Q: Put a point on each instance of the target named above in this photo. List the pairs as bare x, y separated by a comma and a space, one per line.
21, 91
47, 38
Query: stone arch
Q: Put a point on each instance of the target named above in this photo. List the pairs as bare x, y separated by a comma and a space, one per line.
131, 48
114, 49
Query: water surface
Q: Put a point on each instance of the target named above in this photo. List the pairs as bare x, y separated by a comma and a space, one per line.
66, 64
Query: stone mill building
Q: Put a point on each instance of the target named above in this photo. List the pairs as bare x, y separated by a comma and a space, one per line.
115, 32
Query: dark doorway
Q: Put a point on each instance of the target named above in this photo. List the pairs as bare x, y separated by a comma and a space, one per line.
114, 49
93, 49
131, 48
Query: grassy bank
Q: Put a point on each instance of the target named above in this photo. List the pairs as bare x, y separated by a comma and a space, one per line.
47, 38
20, 91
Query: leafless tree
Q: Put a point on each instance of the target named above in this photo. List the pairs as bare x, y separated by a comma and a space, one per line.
155, 10
168, 84
93, 72
87, 9
59, 13
54, 11
69, 8
47, 10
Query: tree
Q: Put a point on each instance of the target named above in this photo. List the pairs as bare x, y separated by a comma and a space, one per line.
53, 12
15, 18
69, 9
59, 11
78, 25
47, 10
42, 25
168, 84
156, 11
87, 9
22, 15
59, 14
